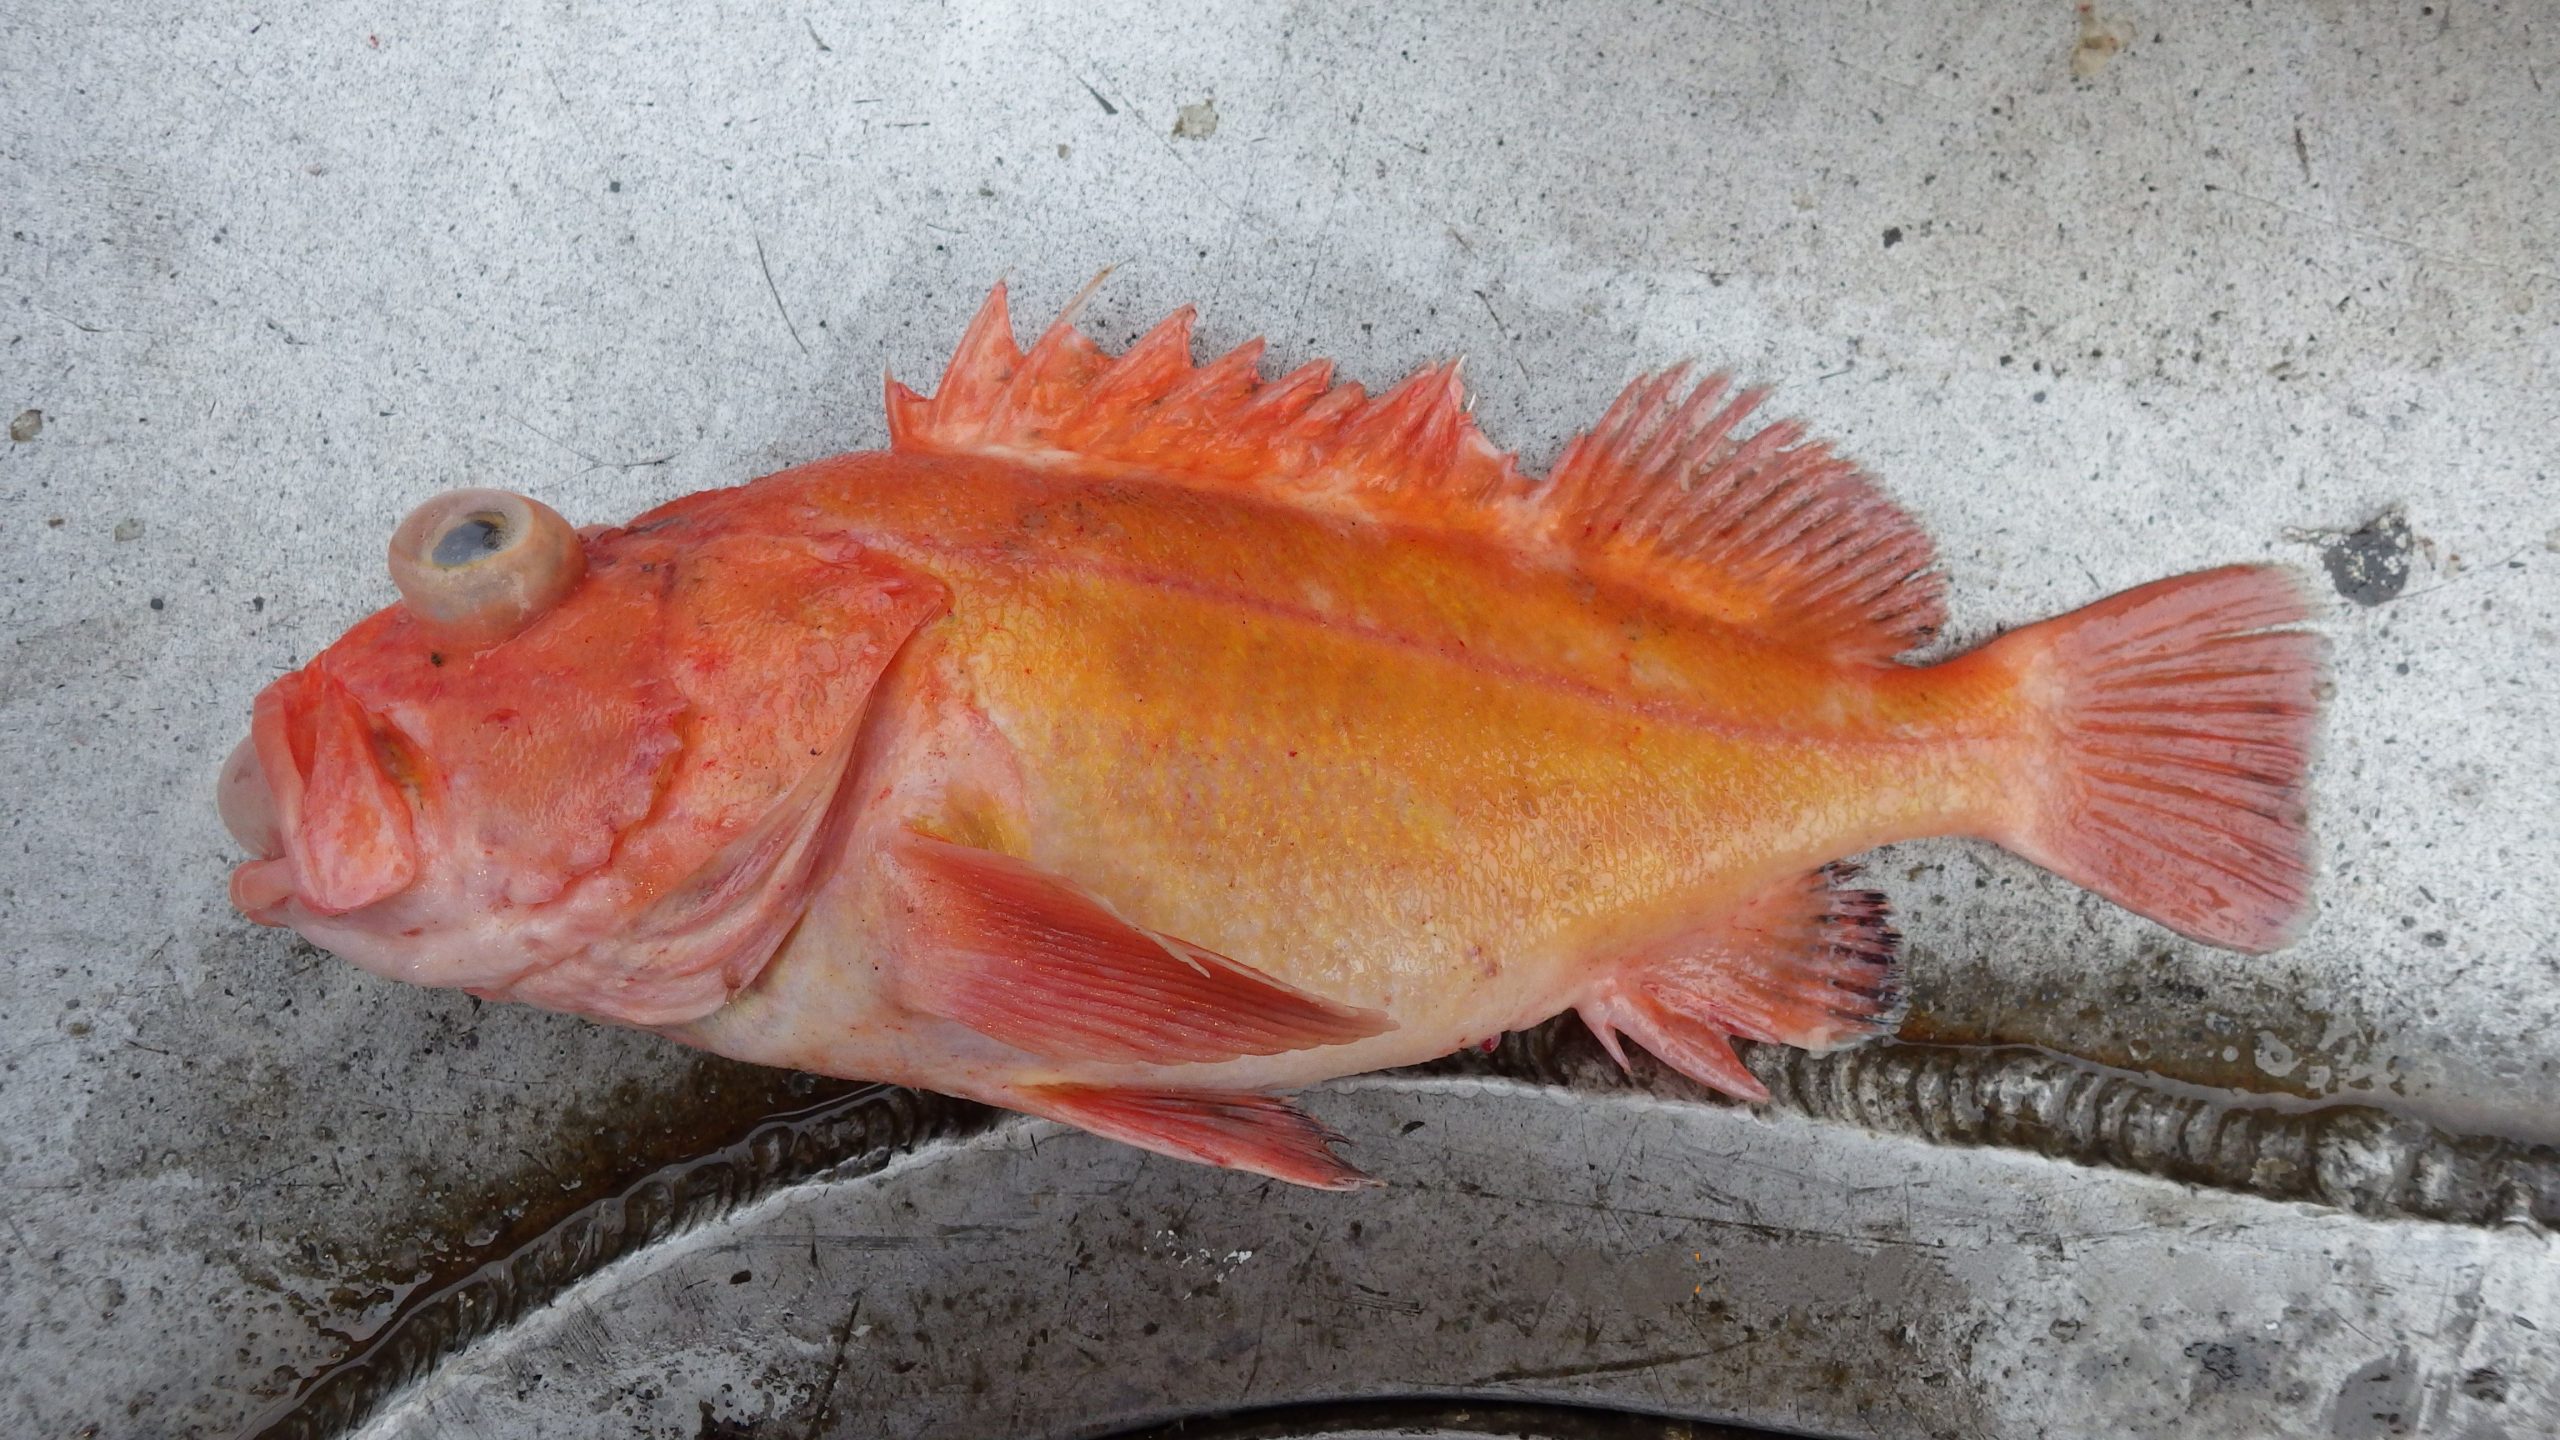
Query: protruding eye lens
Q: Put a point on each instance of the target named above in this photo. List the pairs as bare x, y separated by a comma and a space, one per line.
471, 538
476, 566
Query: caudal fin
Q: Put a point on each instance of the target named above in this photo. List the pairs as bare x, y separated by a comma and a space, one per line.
2177, 721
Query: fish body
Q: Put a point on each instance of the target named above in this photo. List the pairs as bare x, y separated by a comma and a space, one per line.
1134, 742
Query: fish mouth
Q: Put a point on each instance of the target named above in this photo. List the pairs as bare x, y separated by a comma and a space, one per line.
305, 794
248, 806
262, 886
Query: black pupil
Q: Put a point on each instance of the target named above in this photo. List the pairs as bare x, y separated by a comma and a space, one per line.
469, 538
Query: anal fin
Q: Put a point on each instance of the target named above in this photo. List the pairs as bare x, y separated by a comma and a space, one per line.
1236, 1131
1809, 963
1041, 964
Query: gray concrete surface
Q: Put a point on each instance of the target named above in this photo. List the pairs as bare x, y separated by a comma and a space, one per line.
2099, 298
1674, 1258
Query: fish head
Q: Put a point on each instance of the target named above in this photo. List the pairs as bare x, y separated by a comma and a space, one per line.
596, 770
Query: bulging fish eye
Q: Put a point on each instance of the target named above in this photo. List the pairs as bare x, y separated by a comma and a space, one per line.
476, 566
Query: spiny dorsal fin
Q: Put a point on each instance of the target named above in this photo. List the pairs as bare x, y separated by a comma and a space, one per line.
1412, 450
1767, 533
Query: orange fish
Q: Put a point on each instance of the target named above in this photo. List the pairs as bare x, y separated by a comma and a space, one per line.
1134, 742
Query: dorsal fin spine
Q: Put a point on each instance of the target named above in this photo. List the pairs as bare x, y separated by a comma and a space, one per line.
1446, 418
1061, 348
1281, 404
984, 363
1404, 416
1327, 412
1231, 371
1160, 355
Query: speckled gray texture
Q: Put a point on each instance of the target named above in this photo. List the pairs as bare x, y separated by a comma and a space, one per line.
2263, 275
1674, 1258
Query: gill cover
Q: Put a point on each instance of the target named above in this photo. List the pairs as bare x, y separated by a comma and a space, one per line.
621, 809
774, 645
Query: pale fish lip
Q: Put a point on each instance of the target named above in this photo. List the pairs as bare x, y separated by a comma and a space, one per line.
261, 886
260, 890
248, 806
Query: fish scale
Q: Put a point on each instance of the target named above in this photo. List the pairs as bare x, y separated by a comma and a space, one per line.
1134, 742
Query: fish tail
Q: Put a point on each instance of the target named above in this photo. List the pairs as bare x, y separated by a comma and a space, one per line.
2171, 726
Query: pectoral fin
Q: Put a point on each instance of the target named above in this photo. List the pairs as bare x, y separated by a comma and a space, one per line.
1040, 963
1260, 1133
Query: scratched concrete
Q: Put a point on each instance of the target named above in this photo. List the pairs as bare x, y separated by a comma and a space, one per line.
1683, 1257
2100, 299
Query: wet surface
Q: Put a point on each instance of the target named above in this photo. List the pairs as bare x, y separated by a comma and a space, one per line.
227, 1108
2164, 1024
334, 1242
853, 1132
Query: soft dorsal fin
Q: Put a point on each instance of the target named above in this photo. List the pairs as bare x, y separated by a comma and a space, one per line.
1767, 533
1770, 533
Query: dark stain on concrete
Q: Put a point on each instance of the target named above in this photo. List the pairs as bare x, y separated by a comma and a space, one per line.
2370, 564
369, 1149
2380, 1400
2236, 1362
2226, 1032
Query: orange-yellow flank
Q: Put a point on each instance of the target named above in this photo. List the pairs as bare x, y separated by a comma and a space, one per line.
1135, 742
